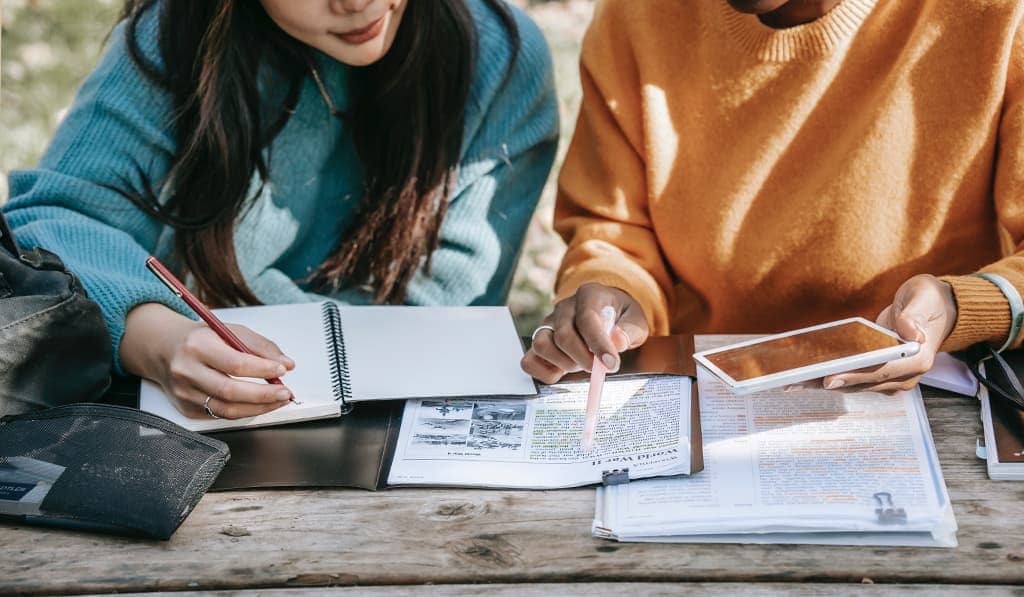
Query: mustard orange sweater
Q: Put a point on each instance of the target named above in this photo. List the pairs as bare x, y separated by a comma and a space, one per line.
737, 178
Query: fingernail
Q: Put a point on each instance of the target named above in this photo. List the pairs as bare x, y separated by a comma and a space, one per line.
835, 384
280, 370
609, 362
283, 394
287, 361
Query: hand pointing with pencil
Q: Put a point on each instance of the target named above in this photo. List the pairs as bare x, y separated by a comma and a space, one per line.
575, 333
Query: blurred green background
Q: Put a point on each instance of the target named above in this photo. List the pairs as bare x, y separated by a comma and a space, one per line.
48, 46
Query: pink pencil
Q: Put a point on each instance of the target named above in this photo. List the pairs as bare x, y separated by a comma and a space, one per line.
597, 373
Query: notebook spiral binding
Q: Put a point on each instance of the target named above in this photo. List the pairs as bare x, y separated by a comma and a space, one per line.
337, 356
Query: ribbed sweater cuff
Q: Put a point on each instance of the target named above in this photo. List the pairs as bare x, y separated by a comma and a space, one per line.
983, 313
643, 289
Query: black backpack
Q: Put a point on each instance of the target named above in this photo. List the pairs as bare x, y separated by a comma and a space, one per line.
54, 345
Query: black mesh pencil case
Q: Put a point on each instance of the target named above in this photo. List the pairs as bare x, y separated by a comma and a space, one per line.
104, 468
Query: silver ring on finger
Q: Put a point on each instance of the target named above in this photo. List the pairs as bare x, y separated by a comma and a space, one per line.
206, 407
533, 337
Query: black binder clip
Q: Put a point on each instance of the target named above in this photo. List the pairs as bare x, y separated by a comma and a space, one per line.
886, 511
616, 476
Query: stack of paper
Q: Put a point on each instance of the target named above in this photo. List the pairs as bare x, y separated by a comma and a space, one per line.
806, 466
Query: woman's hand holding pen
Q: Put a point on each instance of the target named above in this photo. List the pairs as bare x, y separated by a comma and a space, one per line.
192, 363
574, 333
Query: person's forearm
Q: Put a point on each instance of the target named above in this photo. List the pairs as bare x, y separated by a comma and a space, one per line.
150, 331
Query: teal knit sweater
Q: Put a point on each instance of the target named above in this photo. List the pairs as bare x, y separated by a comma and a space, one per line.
119, 130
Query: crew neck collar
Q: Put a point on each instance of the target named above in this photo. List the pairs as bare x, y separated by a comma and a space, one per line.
801, 42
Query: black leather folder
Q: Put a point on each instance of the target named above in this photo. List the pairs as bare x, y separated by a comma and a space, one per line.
354, 450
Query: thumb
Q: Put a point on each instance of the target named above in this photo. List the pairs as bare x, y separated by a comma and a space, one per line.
910, 328
911, 320
632, 329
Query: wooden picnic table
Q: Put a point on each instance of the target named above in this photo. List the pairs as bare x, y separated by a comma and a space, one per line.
532, 542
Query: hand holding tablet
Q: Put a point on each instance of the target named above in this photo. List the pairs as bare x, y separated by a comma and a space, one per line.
805, 354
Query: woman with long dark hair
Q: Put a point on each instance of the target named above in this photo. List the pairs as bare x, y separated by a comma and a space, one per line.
277, 151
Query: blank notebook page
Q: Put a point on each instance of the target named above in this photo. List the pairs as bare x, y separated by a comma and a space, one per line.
423, 352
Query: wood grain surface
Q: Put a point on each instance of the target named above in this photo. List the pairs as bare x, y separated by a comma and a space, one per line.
337, 537
724, 589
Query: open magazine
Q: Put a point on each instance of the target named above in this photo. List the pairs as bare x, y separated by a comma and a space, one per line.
649, 425
643, 430
806, 466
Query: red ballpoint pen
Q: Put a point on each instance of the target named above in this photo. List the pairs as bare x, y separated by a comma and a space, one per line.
204, 313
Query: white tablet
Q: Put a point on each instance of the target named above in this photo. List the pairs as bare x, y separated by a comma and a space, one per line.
805, 354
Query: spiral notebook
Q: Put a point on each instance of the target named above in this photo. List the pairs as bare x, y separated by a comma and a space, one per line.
348, 354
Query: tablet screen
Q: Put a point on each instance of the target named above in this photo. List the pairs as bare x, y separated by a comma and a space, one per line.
800, 350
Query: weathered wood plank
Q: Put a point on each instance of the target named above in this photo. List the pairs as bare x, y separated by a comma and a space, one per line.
415, 536
647, 589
